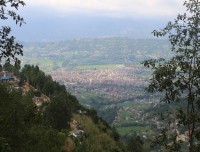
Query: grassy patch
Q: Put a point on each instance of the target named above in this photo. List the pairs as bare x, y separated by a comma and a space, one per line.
103, 66
130, 130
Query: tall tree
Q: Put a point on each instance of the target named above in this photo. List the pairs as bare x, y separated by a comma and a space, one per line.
135, 144
12, 122
179, 77
9, 49
59, 111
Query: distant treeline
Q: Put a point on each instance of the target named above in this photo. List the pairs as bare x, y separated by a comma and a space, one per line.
97, 51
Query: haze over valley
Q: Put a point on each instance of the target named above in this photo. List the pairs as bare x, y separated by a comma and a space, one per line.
105, 74
99, 75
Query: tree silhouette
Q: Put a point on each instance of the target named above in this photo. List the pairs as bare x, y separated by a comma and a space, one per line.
9, 49
179, 77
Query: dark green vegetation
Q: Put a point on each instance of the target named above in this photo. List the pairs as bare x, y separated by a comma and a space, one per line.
178, 80
21, 125
27, 127
9, 49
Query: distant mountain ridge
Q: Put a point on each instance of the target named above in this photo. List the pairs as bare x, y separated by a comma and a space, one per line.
54, 28
96, 51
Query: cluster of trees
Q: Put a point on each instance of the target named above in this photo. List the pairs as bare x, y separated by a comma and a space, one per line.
109, 114
47, 128
37, 78
178, 79
59, 111
9, 48
21, 125
99, 136
11, 68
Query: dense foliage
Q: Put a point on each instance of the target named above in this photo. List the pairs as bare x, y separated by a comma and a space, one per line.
19, 127
178, 78
47, 127
9, 49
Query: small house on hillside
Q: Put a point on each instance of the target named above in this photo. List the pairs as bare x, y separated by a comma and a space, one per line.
6, 76
77, 133
40, 100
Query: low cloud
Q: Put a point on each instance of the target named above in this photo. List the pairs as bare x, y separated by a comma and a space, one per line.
117, 8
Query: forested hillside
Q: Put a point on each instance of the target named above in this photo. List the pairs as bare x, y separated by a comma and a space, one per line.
47, 126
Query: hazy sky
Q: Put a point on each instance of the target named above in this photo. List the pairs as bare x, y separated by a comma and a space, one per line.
62, 19
114, 8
